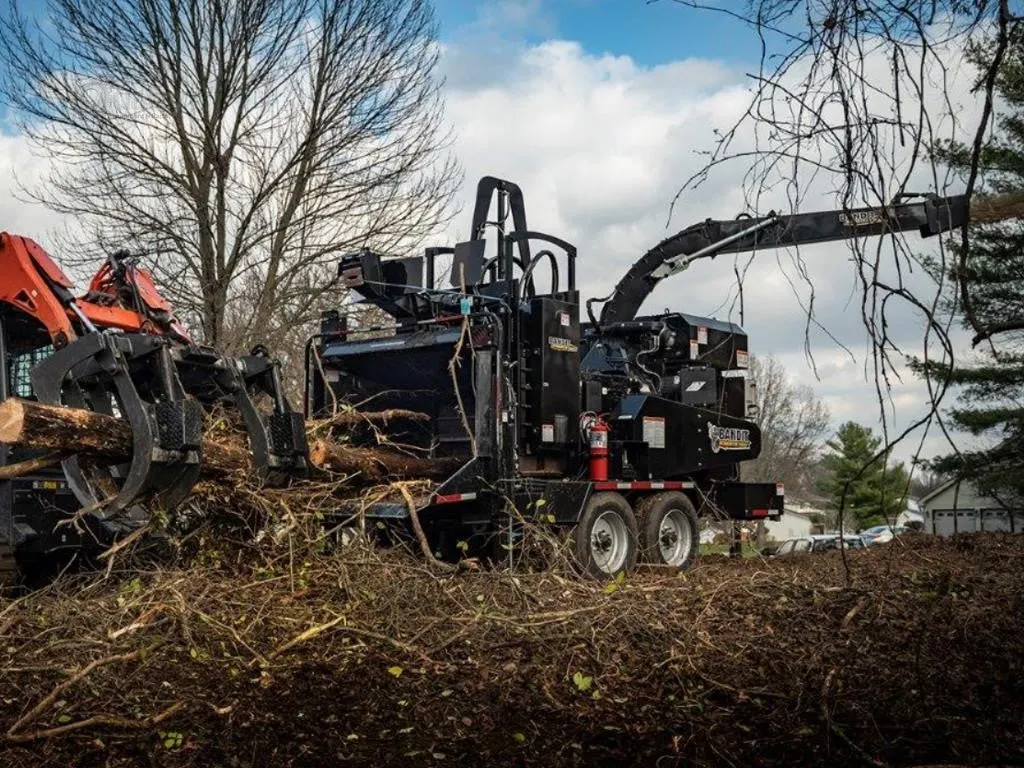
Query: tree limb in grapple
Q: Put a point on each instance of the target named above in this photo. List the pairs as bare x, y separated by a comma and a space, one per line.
78, 431
70, 431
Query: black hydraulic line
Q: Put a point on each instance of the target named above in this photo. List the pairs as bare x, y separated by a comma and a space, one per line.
709, 238
528, 272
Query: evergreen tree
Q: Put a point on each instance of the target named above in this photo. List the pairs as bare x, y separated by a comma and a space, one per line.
877, 493
991, 389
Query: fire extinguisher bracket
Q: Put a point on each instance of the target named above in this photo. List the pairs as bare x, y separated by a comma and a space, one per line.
597, 438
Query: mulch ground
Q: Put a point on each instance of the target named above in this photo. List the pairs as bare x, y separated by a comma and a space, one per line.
907, 654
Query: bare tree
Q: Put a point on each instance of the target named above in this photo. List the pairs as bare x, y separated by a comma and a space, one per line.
925, 482
793, 424
850, 98
242, 144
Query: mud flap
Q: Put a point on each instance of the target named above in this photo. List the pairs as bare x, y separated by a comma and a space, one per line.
750, 501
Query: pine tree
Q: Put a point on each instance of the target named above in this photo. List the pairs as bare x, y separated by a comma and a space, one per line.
991, 389
877, 493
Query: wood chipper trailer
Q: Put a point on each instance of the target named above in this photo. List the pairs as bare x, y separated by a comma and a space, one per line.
621, 431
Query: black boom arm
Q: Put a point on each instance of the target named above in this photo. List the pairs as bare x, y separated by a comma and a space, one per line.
707, 239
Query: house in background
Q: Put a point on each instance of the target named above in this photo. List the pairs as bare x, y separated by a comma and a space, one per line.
957, 507
912, 516
797, 520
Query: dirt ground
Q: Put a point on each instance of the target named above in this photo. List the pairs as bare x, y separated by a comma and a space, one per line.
906, 654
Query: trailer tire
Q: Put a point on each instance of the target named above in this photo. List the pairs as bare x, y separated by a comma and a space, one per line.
669, 532
605, 541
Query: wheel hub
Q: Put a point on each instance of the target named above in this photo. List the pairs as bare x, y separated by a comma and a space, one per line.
675, 539
609, 542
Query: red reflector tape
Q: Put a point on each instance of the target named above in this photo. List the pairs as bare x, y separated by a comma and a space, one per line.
759, 512
642, 485
454, 498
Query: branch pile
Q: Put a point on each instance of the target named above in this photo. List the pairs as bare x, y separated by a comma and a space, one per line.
278, 656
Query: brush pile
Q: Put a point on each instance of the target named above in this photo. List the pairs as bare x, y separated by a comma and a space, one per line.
281, 654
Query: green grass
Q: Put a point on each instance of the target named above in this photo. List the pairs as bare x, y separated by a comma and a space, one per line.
723, 549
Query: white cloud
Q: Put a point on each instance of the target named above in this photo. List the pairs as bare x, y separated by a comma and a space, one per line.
18, 163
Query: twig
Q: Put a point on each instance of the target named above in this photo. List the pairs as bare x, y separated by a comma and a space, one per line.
108, 721
47, 701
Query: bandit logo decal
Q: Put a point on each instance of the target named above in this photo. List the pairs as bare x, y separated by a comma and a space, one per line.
728, 438
559, 344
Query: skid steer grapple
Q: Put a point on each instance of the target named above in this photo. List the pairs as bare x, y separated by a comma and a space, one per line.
119, 350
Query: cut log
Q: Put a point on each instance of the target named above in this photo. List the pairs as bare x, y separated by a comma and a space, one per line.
77, 431
63, 430
378, 464
68, 431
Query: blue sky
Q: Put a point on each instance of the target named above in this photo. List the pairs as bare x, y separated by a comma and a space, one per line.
650, 33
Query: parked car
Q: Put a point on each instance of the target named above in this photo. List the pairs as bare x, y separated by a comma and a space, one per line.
820, 542
882, 534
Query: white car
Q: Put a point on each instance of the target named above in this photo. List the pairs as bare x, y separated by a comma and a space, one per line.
882, 534
819, 542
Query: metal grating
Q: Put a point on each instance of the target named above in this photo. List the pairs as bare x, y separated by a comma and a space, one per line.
20, 368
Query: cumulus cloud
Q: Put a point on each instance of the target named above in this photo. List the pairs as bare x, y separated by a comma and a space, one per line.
20, 163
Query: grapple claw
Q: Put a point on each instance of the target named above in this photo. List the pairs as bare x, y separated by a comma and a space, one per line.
132, 377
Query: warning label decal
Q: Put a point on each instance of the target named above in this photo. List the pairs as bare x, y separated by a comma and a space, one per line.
654, 431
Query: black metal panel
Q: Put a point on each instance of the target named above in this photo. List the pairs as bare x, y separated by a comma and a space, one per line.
487, 396
701, 340
550, 501
469, 478
552, 364
468, 264
692, 386
749, 501
671, 440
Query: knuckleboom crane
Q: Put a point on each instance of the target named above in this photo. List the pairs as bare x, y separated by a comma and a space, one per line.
621, 430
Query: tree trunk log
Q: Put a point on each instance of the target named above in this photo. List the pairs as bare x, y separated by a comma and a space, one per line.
68, 431
77, 431
63, 430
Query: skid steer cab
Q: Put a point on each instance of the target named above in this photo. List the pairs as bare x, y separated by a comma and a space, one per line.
620, 436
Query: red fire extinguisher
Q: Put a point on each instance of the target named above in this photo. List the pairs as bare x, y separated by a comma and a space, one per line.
598, 438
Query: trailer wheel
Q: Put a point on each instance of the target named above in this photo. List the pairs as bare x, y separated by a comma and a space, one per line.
605, 538
670, 535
